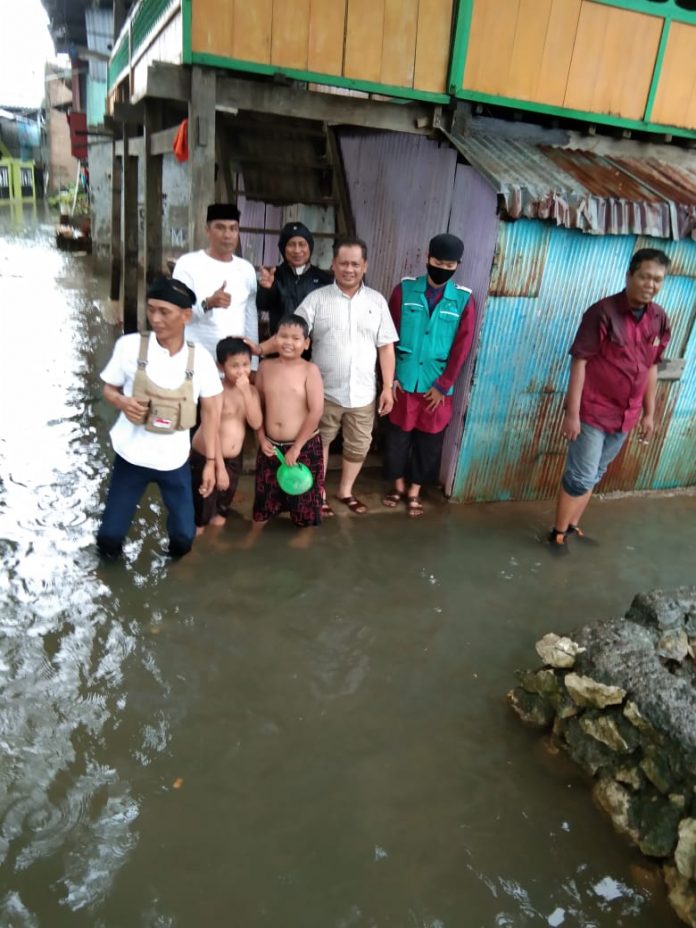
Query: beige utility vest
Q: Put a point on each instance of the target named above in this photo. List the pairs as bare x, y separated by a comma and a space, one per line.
168, 410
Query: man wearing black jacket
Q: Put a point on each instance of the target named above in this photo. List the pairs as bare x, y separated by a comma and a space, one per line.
281, 289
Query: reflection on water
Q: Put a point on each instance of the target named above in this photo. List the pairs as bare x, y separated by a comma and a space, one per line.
280, 737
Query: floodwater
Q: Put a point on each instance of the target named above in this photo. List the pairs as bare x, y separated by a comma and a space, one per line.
277, 737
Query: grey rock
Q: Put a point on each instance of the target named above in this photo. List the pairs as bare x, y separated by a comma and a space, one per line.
584, 691
673, 645
606, 729
623, 654
685, 853
630, 776
531, 708
681, 895
557, 651
658, 823
541, 682
664, 610
616, 801
593, 755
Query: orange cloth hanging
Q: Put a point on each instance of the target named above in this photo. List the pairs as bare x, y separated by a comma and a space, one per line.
181, 151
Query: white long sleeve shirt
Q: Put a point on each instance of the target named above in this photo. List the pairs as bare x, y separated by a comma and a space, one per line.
204, 275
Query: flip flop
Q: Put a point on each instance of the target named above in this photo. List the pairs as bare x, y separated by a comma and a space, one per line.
353, 504
414, 507
557, 542
574, 531
392, 500
326, 510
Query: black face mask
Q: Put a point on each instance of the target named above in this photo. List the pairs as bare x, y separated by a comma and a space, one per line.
439, 275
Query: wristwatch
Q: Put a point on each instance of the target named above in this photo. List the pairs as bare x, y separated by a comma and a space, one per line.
205, 307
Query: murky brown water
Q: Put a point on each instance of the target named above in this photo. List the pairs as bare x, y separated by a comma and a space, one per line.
276, 737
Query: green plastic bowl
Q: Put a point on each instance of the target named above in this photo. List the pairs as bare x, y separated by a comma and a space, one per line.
293, 480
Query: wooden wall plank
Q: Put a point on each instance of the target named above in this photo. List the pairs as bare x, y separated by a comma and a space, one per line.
491, 43
433, 45
530, 37
621, 46
558, 51
212, 27
251, 38
290, 34
399, 44
364, 34
675, 101
327, 23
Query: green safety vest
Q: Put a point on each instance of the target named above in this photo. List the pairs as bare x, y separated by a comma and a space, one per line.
426, 340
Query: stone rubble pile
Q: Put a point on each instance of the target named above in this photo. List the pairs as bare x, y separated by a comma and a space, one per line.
620, 697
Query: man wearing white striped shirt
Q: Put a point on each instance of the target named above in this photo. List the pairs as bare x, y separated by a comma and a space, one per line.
352, 329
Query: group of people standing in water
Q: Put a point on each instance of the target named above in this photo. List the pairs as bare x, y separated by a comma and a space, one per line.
203, 363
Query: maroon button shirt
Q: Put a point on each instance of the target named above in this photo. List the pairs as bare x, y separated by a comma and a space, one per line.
619, 351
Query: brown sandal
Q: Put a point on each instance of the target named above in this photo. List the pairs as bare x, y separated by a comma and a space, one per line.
392, 500
414, 507
353, 504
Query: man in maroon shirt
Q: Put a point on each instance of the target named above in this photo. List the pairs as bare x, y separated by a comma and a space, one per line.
613, 376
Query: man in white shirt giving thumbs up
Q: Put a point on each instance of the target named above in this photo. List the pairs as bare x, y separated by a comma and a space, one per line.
224, 283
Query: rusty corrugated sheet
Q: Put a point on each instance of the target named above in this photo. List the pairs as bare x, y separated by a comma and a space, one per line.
583, 190
677, 464
511, 446
474, 220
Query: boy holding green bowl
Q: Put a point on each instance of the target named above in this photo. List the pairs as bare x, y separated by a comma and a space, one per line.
292, 398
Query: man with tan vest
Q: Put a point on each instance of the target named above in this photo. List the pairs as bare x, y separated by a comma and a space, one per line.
155, 381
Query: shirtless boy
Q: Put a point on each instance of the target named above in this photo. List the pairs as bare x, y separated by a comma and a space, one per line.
240, 405
292, 396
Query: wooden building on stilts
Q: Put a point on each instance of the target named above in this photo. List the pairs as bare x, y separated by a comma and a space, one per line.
399, 119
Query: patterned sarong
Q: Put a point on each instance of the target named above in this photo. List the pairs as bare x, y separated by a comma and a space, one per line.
270, 500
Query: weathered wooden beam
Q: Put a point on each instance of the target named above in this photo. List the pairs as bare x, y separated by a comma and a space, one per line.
153, 193
136, 146
116, 253
169, 81
129, 238
345, 224
201, 139
119, 16
173, 82
131, 113
225, 183
162, 142
281, 162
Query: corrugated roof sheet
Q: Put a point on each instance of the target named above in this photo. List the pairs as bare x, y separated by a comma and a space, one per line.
597, 194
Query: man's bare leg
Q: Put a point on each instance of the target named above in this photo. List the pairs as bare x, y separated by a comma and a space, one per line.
569, 509
349, 473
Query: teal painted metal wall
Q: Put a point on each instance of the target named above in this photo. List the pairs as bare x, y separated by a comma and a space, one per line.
543, 279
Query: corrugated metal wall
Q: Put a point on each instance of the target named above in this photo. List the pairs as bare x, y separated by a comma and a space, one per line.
475, 221
543, 279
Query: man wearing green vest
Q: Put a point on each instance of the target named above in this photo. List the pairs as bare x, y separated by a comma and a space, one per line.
435, 320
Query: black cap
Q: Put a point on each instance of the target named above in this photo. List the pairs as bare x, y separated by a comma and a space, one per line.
171, 291
292, 229
446, 247
222, 211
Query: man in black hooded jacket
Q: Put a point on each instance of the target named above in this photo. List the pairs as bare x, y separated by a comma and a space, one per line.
281, 289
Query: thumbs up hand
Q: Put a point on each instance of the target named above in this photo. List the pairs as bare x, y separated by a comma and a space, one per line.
219, 299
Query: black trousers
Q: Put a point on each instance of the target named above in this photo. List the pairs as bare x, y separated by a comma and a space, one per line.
414, 455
